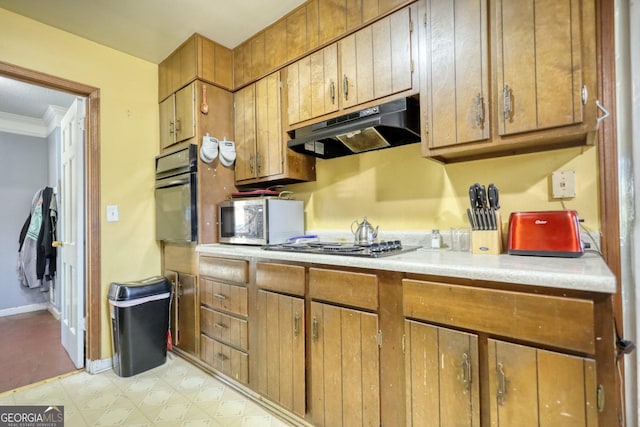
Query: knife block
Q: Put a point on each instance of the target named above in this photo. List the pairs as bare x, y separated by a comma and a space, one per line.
487, 242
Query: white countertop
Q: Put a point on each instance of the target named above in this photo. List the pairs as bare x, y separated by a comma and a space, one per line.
587, 273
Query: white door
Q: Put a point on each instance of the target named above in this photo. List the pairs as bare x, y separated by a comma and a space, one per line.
71, 232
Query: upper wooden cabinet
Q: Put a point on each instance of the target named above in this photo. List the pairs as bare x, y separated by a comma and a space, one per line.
369, 64
539, 64
259, 145
454, 64
197, 58
543, 65
178, 117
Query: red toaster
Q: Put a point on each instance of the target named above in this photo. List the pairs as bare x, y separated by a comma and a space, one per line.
545, 233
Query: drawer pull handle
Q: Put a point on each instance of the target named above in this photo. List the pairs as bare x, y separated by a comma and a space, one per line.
314, 329
502, 384
345, 87
220, 325
296, 325
332, 92
220, 296
221, 357
466, 371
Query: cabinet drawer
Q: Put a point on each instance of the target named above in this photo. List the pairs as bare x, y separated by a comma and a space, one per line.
229, 361
228, 329
343, 287
556, 321
231, 270
231, 298
280, 278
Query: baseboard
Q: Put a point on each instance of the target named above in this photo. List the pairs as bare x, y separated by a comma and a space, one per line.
97, 366
54, 311
24, 309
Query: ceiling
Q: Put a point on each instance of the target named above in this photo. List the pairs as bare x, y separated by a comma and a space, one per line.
152, 29
147, 29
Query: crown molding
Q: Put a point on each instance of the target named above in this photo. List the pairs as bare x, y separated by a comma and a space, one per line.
53, 117
22, 125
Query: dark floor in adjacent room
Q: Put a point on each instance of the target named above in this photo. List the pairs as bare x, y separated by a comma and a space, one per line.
31, 350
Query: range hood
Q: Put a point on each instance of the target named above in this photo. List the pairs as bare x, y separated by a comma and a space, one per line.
386, 125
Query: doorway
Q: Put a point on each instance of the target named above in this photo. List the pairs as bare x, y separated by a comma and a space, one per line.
91, 195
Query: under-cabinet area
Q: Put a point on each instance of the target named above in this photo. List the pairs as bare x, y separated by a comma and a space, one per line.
342, 345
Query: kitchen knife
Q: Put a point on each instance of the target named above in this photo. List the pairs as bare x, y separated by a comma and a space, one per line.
471, 221
494, 197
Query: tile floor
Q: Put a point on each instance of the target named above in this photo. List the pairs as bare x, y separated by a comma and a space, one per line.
174, 394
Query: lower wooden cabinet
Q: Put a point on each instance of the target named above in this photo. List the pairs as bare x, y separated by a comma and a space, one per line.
280, 326
224, 358
534, 387
442, 376
183, 310
344, 364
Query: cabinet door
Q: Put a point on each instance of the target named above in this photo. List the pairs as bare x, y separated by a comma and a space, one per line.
185, 126
376, 61
538, 64
534, 387
167, 122
269, 145
332, 18
281, 337
312, 84
187, 307
345, 376
454, 85
442, 376
245, 130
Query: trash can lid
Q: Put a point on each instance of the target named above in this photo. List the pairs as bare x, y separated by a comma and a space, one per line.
139, 289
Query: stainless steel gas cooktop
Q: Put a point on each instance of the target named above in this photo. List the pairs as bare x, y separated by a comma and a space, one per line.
375, 250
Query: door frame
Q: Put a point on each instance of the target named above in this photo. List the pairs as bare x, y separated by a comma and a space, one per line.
93, 343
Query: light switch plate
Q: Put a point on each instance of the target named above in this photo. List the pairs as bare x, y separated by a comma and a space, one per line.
563, 184
112, 213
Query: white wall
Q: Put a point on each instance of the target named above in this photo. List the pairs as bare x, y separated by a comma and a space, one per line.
23, 170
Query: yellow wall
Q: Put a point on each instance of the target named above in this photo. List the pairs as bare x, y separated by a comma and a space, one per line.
128, 136
397, 189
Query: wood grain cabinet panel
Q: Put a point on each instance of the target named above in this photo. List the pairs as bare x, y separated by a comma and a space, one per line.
232, 270
281, 344
229, 329
332, 19
454, 54
289, 279
227, 360
345, 371
223, 296
442, 376
534, 387
275, 45
539, 59
185, 113
296, 33
343, 287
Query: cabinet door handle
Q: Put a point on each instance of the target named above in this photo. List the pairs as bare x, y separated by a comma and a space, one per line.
221, 357
179, 290
466, 371
251, 163
506, 96
502, 384
220, 326
332, 91
480, 111
171, 127
314, 329
296, 325
221, 297
178, 126
345, 86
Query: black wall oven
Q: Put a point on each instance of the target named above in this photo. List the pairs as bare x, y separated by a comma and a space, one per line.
176, 196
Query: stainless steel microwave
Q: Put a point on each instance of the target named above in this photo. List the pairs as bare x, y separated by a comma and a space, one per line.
260, 221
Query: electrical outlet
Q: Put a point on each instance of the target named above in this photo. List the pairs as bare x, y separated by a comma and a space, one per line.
112, 213
563, 184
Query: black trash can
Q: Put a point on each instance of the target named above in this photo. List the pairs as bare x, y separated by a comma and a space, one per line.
140, 322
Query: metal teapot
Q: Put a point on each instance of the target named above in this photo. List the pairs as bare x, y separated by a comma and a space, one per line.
364, 234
